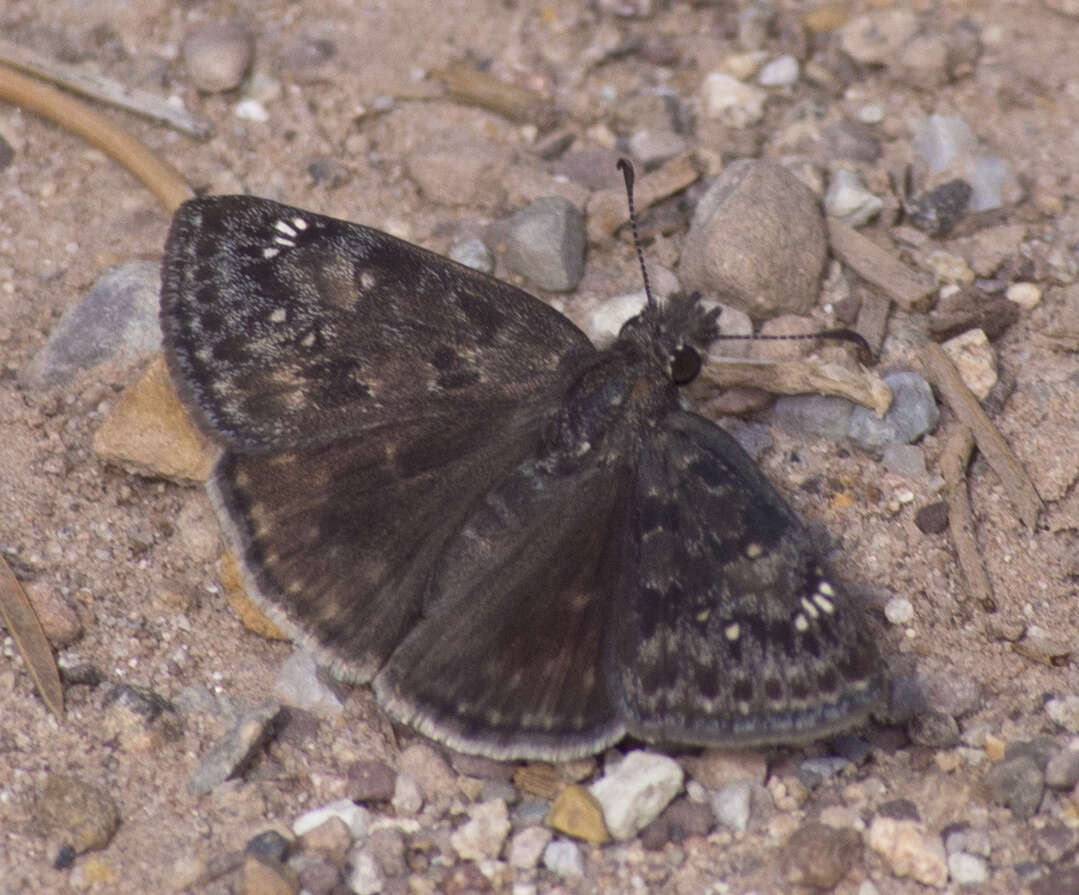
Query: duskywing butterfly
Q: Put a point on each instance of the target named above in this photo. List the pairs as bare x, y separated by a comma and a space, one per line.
437, 483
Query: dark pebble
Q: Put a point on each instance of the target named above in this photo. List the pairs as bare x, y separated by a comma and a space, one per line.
937, 211
933, 518
270, 843
680, 820
937, 730
819, 855
370, 781
1016, 783
1062, 881
899, 809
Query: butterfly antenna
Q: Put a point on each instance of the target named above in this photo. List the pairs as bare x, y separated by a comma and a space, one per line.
626, 167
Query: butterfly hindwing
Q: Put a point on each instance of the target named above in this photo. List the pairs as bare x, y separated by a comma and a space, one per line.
509, 660
731, 631
286, 328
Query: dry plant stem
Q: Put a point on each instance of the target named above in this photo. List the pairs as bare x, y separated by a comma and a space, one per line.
953, 464
477, 88
25, 629
945, 378
104, 89
873, 315
909, 289
158, 176
798, 378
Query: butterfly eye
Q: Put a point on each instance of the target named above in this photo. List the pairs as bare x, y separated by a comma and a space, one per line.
685, 365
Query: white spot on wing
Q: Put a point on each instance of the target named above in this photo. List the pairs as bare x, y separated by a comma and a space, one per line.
299, 223
825, 588
284, 227
732, 632
824, 603
753, 550
270, 252
278, 315
801, 625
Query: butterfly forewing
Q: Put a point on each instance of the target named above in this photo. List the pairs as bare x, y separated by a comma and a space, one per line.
730, 630
286, 328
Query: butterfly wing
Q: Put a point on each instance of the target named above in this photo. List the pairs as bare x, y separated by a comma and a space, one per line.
286, 329
509, 660
729, 631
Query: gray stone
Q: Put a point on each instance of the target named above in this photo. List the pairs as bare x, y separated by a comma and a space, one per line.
967, 870
780, 72
1017, 783
941, 141
813, 416
757, 240
732, 804
820, 856
527, 846
563, 858
238, 747
302, 684
473, 252
545, 244
355, 817
907, 460
934, 729
115, 320
365, 876
913, 413
1062, 771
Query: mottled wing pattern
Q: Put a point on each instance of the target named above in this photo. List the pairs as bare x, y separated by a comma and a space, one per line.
338, 541
285, 328
509, 661
729, 629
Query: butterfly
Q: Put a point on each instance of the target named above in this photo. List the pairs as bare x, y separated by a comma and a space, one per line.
435, 482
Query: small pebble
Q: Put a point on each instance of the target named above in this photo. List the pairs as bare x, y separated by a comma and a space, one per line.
238, 747
781, 72
975, 360
899, 611
940, 209
303, 685
913, 413
563, 858
933, 518
1064, 712
370, 781
251, 110
484, 833
1062, 770
967, 870
731, 101
330, 839
848, 200
527, 846
355, 817
1026, 295
820, 856
217, 56
1016, 783
577, 813
909, 850
545, 244
473, 252
407, 798
636, 790
425, 764
262, 875
732, 805
365, 876
77, 815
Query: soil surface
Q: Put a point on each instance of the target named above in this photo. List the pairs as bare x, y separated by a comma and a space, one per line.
357, 127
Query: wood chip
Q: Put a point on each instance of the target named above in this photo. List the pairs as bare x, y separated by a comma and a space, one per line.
945, 378
25, 629
608, 210
909, 288
478, 88
800, 377
953, 464
95, 86
873, 316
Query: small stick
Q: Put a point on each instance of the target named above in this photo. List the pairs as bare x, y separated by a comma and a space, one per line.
953, 463
159, 176
477, 88
25, 629
607, 208
106, 90
945, 378
909, 289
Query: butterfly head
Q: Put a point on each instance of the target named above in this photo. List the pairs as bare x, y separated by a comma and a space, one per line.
674, 332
